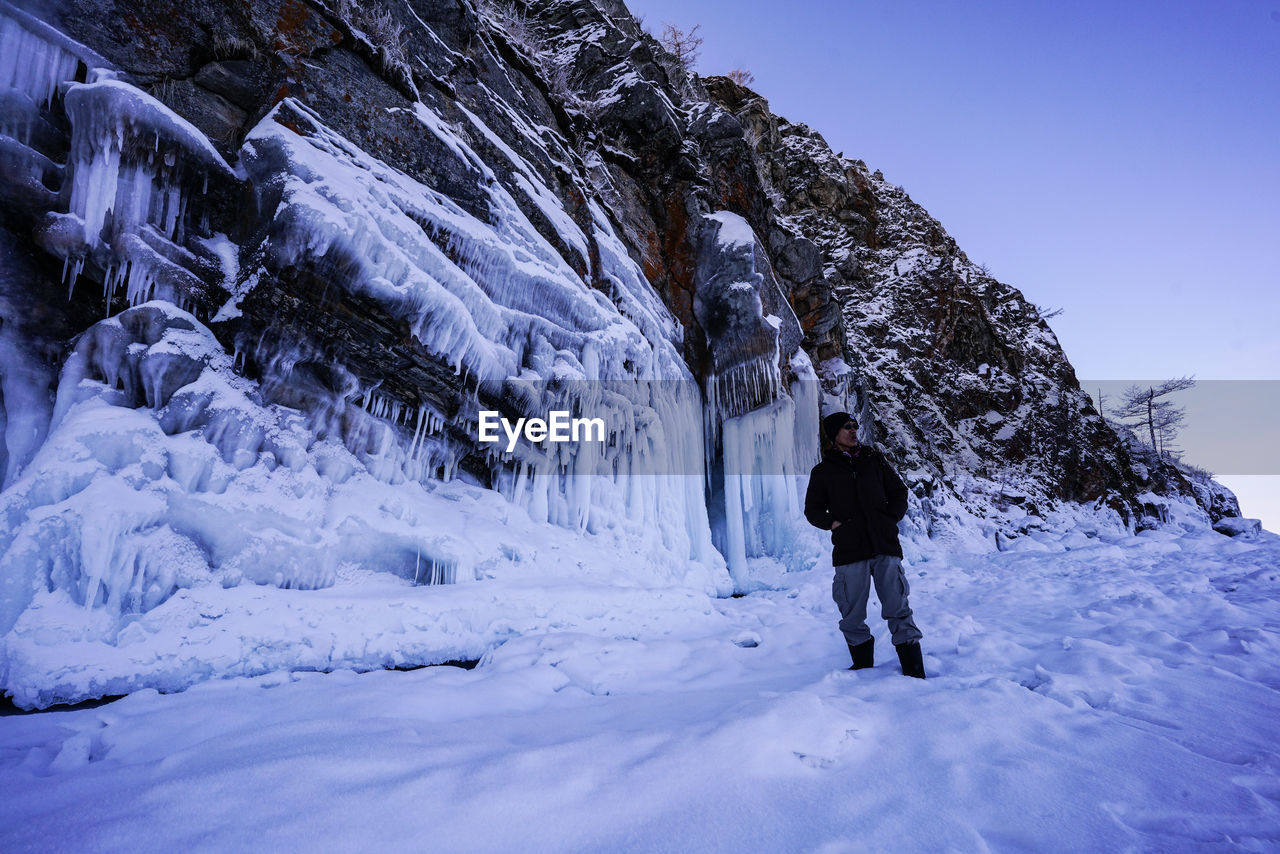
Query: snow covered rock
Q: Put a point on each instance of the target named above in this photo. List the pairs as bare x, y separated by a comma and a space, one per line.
264, 265
1235, 526
961, 375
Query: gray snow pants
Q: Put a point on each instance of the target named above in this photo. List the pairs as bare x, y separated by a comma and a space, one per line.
852, 585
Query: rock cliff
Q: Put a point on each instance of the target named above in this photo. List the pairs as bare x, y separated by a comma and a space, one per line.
317, 239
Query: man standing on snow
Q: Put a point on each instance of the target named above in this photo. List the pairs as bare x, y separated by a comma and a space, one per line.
856, 495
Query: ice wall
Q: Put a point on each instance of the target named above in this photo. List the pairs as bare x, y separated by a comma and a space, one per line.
163, 471
762, 396
170, 460
36, 65
164, 468
493, 300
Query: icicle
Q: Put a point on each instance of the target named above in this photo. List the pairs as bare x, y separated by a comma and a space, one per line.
76, 268
173, 205
31, 63
93, 189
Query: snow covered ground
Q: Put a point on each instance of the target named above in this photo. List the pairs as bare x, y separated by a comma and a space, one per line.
1086, 694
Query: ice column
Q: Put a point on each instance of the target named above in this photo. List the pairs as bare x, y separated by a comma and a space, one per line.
31, 60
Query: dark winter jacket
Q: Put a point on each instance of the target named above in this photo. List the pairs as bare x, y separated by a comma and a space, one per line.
865, 495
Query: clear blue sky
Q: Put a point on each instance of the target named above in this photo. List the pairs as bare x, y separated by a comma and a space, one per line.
1120, 160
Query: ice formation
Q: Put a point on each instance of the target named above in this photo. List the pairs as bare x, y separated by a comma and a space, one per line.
35, 59
761, 409
133, 165
161, 468
496, 302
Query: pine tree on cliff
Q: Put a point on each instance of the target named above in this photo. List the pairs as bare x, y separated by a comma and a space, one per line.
1162, 418
683, 45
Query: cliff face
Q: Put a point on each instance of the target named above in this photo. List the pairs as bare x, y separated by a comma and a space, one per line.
967, 383
266, 263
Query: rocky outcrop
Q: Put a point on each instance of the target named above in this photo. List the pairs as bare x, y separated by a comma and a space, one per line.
263, 266
563, 115
967, 384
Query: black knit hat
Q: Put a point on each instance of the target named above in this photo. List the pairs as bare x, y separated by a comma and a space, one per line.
832, 423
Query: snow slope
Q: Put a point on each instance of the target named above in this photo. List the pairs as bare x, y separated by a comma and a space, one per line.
1086, 693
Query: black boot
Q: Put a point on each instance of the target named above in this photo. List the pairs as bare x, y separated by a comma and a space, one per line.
863, 654
911, 659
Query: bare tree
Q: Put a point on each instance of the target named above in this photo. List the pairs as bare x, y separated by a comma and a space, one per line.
684, 45
742, 77
1168, 420
1162, 418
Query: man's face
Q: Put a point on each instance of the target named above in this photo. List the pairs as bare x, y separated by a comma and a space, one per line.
847, 438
